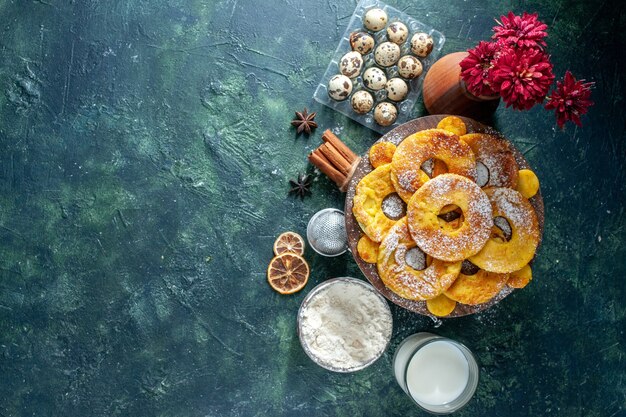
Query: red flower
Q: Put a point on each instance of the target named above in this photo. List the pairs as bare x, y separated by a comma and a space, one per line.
476, 68
570, 99
522, 77
524, 31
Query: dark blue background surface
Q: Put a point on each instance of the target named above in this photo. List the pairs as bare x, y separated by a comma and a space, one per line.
145, 150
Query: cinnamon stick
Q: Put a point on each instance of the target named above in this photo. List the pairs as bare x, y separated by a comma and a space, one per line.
335, 157
318, 159
330, 137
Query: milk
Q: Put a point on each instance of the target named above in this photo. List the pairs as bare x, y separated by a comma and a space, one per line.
435, 372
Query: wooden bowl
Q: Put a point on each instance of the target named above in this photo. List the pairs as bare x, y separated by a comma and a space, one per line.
354, 232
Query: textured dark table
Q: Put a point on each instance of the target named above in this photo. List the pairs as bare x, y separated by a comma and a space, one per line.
145, 149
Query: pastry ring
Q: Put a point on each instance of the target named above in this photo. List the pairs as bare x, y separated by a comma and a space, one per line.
368, 203
502, 255
418, 148
478, 288
404, 280
497, 160
441, 243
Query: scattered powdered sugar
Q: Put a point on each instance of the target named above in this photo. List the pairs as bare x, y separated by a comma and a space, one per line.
496, 156
439, 243
428, 167
391, 241
511, 205
522, 219
482, 206
400, 276
420, 287
394, 137
494, 164
406, 179
415, 258
393, 206
345, 325
482, 174
415, 152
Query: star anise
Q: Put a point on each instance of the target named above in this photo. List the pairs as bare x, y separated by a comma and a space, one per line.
304, 121
301, 186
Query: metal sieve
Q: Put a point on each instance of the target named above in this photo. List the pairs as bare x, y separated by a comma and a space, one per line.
326, 232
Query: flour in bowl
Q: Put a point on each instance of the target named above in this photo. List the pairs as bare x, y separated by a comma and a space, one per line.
345, 325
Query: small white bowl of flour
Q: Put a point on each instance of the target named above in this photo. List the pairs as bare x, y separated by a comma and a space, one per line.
344, 324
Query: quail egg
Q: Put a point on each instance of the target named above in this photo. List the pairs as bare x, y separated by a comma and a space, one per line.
362, 42
362, 102
385, 113
351, 64
375, 19
397, 89
374, 78
409, 67
387, 54
397, 32
421, 44
339, 87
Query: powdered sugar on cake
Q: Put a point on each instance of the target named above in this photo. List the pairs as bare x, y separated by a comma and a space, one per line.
394, 207
510, 204
401, 277
495, 154
442, 244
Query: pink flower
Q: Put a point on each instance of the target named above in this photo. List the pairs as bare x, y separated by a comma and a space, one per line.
570, 99
476, 68
522, 77
521, 31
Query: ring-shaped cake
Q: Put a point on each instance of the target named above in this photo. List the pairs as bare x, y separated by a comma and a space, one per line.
368, 202
476, 289
444, 243
495, 155
501, 255
403, 279
410, 155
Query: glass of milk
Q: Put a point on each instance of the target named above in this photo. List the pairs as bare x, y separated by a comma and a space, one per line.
439, 374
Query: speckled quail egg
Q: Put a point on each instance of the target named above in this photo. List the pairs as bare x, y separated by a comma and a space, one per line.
362, 42
387, 54
351, 64
421, 44
409, 67
385, 113
375, 19
397, 32
374, 78
339, 87
397, 89
362, 102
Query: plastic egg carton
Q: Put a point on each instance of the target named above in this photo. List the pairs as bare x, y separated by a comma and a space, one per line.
415, 86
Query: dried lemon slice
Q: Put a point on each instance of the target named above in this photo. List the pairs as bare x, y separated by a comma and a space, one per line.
287, 273
289, 242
